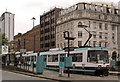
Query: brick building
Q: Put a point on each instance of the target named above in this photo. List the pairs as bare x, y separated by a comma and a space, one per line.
48, 29
42, 36
28, 39
17, 40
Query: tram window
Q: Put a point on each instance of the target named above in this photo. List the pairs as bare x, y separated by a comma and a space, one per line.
35, 58
45, 58
28, 59
92, 56
53, 58
49, 58
32, 58
61, 58
77, 57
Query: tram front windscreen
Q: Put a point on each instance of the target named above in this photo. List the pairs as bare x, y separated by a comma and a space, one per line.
98, 56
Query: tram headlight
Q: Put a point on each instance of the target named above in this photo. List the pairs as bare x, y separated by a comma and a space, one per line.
99, 65
107, 65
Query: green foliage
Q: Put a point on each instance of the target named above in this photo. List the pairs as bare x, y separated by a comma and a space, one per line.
4, 40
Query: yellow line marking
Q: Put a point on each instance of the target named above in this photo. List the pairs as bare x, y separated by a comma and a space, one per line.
26, 75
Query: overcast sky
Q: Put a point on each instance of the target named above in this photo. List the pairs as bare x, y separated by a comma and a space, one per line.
24, 10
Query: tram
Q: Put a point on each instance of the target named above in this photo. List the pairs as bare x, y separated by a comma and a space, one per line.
86, 60
89, 59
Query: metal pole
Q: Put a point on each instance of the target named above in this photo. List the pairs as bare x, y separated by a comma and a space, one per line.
68, 55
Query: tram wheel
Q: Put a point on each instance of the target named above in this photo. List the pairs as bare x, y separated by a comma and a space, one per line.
106, 73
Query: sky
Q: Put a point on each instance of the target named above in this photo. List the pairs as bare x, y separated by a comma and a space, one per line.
24, 10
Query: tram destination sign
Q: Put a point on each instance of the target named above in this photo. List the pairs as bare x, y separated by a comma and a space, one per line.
22, 50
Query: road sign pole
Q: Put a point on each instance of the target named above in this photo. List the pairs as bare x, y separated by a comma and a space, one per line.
68, 38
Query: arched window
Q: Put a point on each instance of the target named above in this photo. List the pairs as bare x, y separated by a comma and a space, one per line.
79, 23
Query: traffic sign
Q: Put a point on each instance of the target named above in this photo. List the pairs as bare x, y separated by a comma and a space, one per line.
4, 49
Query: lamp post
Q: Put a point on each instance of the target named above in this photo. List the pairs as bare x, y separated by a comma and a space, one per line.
90, 35
33, 42
33, 20
68, 38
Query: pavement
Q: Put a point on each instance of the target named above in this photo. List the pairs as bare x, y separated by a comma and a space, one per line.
7, 75
54, 75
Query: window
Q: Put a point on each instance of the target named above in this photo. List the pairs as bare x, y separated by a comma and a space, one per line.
52, 58
41, 45
41, 25
64, 45
105, 16
52, 13
89, 24
79, 34
52, 20
100, 44
79, 24
61, 45
113, 27
41, 39
94, 25
98, 56
47, 30
113, 36
100, 16
41, 32
58, 45
53, 43
41, 18
47, 37
62, 58
94, 43
92, 56
100, 35
106, 35
52, 36
106, 26
52, 28
79, 43
105, 44
76, 57
47, 44
94, 34
100, 25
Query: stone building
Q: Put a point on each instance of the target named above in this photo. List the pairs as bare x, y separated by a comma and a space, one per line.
102, 22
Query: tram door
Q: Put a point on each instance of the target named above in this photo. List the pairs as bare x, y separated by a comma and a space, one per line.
31, 61
62, 60
45, 61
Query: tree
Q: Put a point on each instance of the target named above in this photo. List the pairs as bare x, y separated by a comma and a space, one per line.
4, 40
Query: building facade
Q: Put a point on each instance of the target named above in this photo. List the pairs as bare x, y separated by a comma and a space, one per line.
48, 29
29, 40
7, 25
102, 21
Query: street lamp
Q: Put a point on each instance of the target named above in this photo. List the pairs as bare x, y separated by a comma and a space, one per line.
90, 35
33, 42
68, 38
33, 20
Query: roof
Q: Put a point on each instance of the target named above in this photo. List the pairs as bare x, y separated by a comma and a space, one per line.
91, 48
